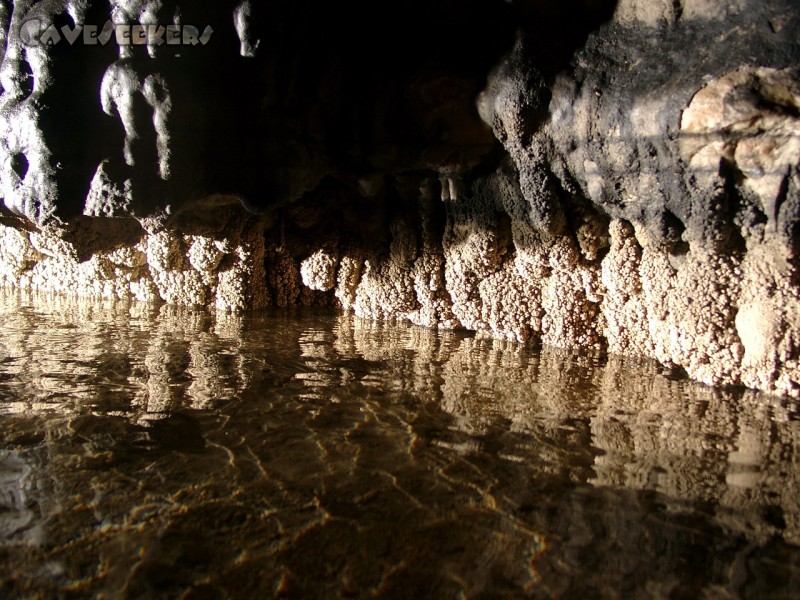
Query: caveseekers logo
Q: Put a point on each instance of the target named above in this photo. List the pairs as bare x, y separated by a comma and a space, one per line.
34, 33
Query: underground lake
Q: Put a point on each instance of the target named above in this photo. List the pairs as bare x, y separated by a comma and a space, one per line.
164, 452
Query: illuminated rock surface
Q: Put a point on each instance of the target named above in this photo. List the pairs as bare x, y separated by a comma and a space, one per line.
617, 176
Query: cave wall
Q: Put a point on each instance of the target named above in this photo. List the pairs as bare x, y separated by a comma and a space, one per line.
619, 176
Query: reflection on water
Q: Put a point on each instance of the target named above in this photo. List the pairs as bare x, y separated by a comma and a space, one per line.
163, 452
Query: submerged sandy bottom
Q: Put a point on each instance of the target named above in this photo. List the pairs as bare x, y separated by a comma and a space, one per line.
153, 452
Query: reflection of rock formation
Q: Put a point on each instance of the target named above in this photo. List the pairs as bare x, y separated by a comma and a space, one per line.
144, 447
17, 500
650, 431
654, 432
73, 363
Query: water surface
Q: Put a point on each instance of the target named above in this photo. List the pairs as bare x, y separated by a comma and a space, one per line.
158, 452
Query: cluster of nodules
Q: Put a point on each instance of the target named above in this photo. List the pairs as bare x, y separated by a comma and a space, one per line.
592, 199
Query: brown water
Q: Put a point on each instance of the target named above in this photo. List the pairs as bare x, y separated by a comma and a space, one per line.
151, 452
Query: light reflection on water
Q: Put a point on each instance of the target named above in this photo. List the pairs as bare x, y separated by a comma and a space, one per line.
164, 452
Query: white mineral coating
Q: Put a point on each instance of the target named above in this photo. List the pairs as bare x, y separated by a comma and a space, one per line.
645, 201
27, 176
318, 271
17, 254
107, 198
192, 270
654, 13
241, 19
241, 283
347, 278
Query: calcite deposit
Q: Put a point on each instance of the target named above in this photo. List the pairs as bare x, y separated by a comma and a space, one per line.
619, 176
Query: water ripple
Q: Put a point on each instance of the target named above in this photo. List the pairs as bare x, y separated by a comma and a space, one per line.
159, 452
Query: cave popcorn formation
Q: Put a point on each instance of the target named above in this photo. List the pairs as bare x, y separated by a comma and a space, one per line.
618, 176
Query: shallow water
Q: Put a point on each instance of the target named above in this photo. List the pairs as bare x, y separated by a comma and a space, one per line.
151, 452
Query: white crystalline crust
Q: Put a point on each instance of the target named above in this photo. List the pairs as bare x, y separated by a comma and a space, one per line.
725, 320
163, 266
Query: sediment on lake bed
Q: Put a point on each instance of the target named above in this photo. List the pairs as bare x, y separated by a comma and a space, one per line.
620, 176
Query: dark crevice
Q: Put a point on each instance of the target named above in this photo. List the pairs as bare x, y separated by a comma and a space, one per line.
555, 30
490, 163
144, 149
674, 373
438, 219
780, 199
743, 211
602, 253
91, 235
25, 79
781, 108
505, 234
790, 221
673, 233
677, 8
19, 164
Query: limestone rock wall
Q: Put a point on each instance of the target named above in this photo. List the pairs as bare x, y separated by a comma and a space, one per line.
227, 272
619, 176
